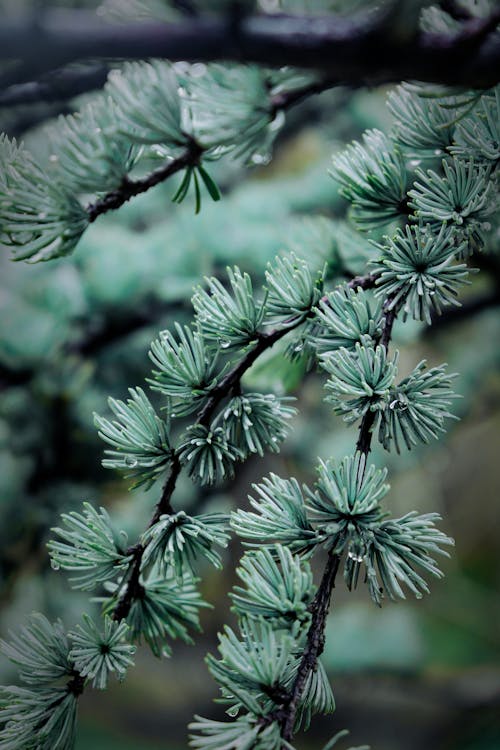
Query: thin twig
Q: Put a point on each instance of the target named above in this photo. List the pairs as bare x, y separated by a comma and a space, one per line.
366, 428
190, 157
367, 281
264, 341
62, 85
130, 188
315, 643
133, 588
287, 99
286, 713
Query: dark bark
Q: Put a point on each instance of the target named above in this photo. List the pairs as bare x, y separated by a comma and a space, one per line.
355, 51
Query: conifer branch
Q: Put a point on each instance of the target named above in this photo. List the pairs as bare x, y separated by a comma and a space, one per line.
315, 643
233, 377
130, 188
358, 51
59, 87
288, 99
191, 156
365, 431
133, 589
275, 676
321, 604
229, 383
77, 683
366, 281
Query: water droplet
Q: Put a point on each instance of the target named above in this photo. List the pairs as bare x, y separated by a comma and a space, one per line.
130, 461
353, 556
225, 345
53, 158
97, 130
54, 565
438, 152
298, 348
42, 215
415, 163
260, 159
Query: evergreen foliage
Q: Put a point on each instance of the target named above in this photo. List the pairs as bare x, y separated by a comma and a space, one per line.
463, 197
95, 654
417, 407
230, 320
373, 179
90, 547
418, 267
359, 381
279, 592
85, 146
139, 438
268, 669
348, 317
165, 608
186, 371
292, 291
39, 218
179, 539
280, 519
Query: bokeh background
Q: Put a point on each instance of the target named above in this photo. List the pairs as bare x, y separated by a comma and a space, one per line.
73, 332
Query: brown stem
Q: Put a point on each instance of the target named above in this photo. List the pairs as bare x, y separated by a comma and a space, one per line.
288, 99
134, 589
229, 381
287, 712
315, 643
366, 428
367, 281
130, 188
365, 432
77, 684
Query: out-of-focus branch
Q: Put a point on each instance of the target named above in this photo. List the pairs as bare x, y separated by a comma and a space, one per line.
356, 51
467, 310
58, 87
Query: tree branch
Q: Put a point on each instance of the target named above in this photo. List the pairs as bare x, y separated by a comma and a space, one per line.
287, 713
130, 188
133, 588
356, 51
367, 281
189, 158
62, 85
315, 642
264, 341
468, 309
366, 428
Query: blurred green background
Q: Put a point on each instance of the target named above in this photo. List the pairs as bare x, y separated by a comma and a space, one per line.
408, 676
